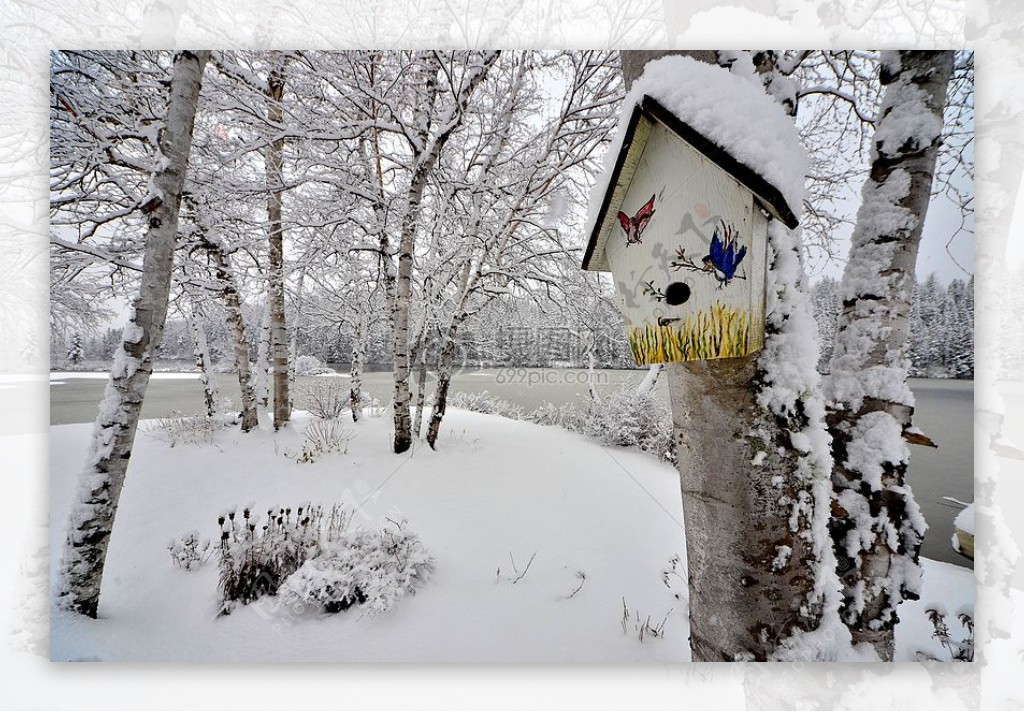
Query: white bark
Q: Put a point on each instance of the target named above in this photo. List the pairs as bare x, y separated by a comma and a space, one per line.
650, 380
444, 379
262, 377
275, 270
293, 343
402, 306
236, 327
201, 350
591, 363
356, 368
421, 379
101, 481
879, 528
423, 165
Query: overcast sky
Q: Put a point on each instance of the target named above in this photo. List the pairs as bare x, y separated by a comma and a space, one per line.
946, 250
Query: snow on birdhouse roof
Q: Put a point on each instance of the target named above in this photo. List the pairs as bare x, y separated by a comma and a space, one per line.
726, 117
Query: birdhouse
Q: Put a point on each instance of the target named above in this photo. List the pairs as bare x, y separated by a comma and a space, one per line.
683, 228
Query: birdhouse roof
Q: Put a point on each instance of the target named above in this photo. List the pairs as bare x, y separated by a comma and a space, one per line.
627, 158
725, 116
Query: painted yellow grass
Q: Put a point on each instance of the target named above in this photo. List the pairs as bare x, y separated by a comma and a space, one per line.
721, 332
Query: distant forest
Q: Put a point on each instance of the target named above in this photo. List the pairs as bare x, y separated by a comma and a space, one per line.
941, 326
941, 337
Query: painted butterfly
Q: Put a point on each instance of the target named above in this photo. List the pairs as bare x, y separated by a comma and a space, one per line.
634, 226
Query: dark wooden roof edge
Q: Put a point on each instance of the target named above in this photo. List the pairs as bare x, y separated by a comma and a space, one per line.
620, 160
751, 179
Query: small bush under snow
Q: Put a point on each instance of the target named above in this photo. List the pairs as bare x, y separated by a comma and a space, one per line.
369, 569
189, 551
256, 558
567, 415
325, 398
959, 650
484, 402
324, 436
372, 407
312, 556
310, 366
626, 419
181, 429
621, 418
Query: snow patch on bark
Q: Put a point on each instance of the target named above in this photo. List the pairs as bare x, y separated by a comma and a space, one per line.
133, 333
867, 281
830, 642
876, 443
909, 125
782, 554
789, 388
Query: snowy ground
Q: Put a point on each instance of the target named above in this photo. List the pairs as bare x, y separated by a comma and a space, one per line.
495, 488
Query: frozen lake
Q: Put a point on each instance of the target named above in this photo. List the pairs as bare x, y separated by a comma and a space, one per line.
945, 412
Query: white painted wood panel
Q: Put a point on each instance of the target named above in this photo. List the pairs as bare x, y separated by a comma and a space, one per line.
705, 240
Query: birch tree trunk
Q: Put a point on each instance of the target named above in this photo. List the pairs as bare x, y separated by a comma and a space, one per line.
445, 364
201, 350
421, 379
370, 153
591, 364
293, 342
878, 527
92, 517
446, 357
236, 326
424, 163
650, 380
355, 398
275, 272
402, 308
755, 507
402, 305
262, 377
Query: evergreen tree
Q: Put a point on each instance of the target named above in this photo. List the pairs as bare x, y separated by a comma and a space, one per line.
75, 353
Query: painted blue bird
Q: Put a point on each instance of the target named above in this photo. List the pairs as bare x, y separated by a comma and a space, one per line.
724, 258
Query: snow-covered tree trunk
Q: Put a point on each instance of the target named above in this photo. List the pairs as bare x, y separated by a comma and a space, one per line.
421, 379
752, 454
275, 270
355, 397
424, 162
591, 364
650, 380
400, 318
262, 377
293, 342
402, 306
446, 357
93, 514
194, 319
445, 367
236, 327
878, 528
